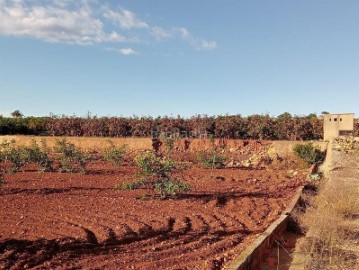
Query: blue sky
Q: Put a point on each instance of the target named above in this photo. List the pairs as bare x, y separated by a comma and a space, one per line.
179, 57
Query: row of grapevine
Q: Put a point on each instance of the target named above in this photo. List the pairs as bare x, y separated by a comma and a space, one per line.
263, 127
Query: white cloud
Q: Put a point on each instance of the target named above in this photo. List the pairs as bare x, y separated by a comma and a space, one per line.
159, 33
127, 51
195, 42
85, 22
184, 32
123, 51
55, 24
61, 3
125, 18
209, 45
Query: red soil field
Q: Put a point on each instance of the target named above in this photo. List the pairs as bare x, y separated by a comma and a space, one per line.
73, 221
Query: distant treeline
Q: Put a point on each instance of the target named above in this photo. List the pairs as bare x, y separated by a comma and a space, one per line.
258, 127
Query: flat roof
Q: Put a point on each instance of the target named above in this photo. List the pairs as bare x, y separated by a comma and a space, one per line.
337, 114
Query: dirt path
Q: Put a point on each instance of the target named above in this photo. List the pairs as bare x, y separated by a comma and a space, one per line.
338, 209
345, 168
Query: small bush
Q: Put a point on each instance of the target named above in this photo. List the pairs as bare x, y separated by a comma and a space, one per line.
129, 186
309, 153
169, 144
35, 154
171, 188
156, 174
15, 155
151, 164
69, 154
211, 160
114, 154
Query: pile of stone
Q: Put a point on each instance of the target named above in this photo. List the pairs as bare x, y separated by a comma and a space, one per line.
347, 144
249, 157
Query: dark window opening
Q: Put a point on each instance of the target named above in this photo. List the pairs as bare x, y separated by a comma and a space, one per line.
335, 119
341, 119
345, 132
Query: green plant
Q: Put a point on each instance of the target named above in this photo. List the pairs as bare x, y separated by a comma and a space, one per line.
114, 154
129, 186
169, 144
22, 155
16, 114
171, 187
12, 153
309, 153
69, 154
151, 164
35, 154
183, 165
156, 173
211, 160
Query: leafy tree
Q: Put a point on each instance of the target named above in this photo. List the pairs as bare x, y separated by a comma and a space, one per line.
257, 127
261, 127
16, 114
230, 126
285, 127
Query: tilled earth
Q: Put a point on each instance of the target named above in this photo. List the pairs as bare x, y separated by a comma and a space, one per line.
75, 221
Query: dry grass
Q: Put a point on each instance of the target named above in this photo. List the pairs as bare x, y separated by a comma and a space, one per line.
86, 143
333, 219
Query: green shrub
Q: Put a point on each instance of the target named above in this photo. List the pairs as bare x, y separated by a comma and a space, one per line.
211, 160
14, 154
151, 164
40, 156
156, 173
22, 155
171, 188
114, 154
130, 185
169, 144
70, 154
309, 153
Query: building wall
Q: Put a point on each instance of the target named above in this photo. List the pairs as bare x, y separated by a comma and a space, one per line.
335, 124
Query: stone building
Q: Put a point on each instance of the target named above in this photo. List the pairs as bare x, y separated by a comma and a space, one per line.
336, 125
